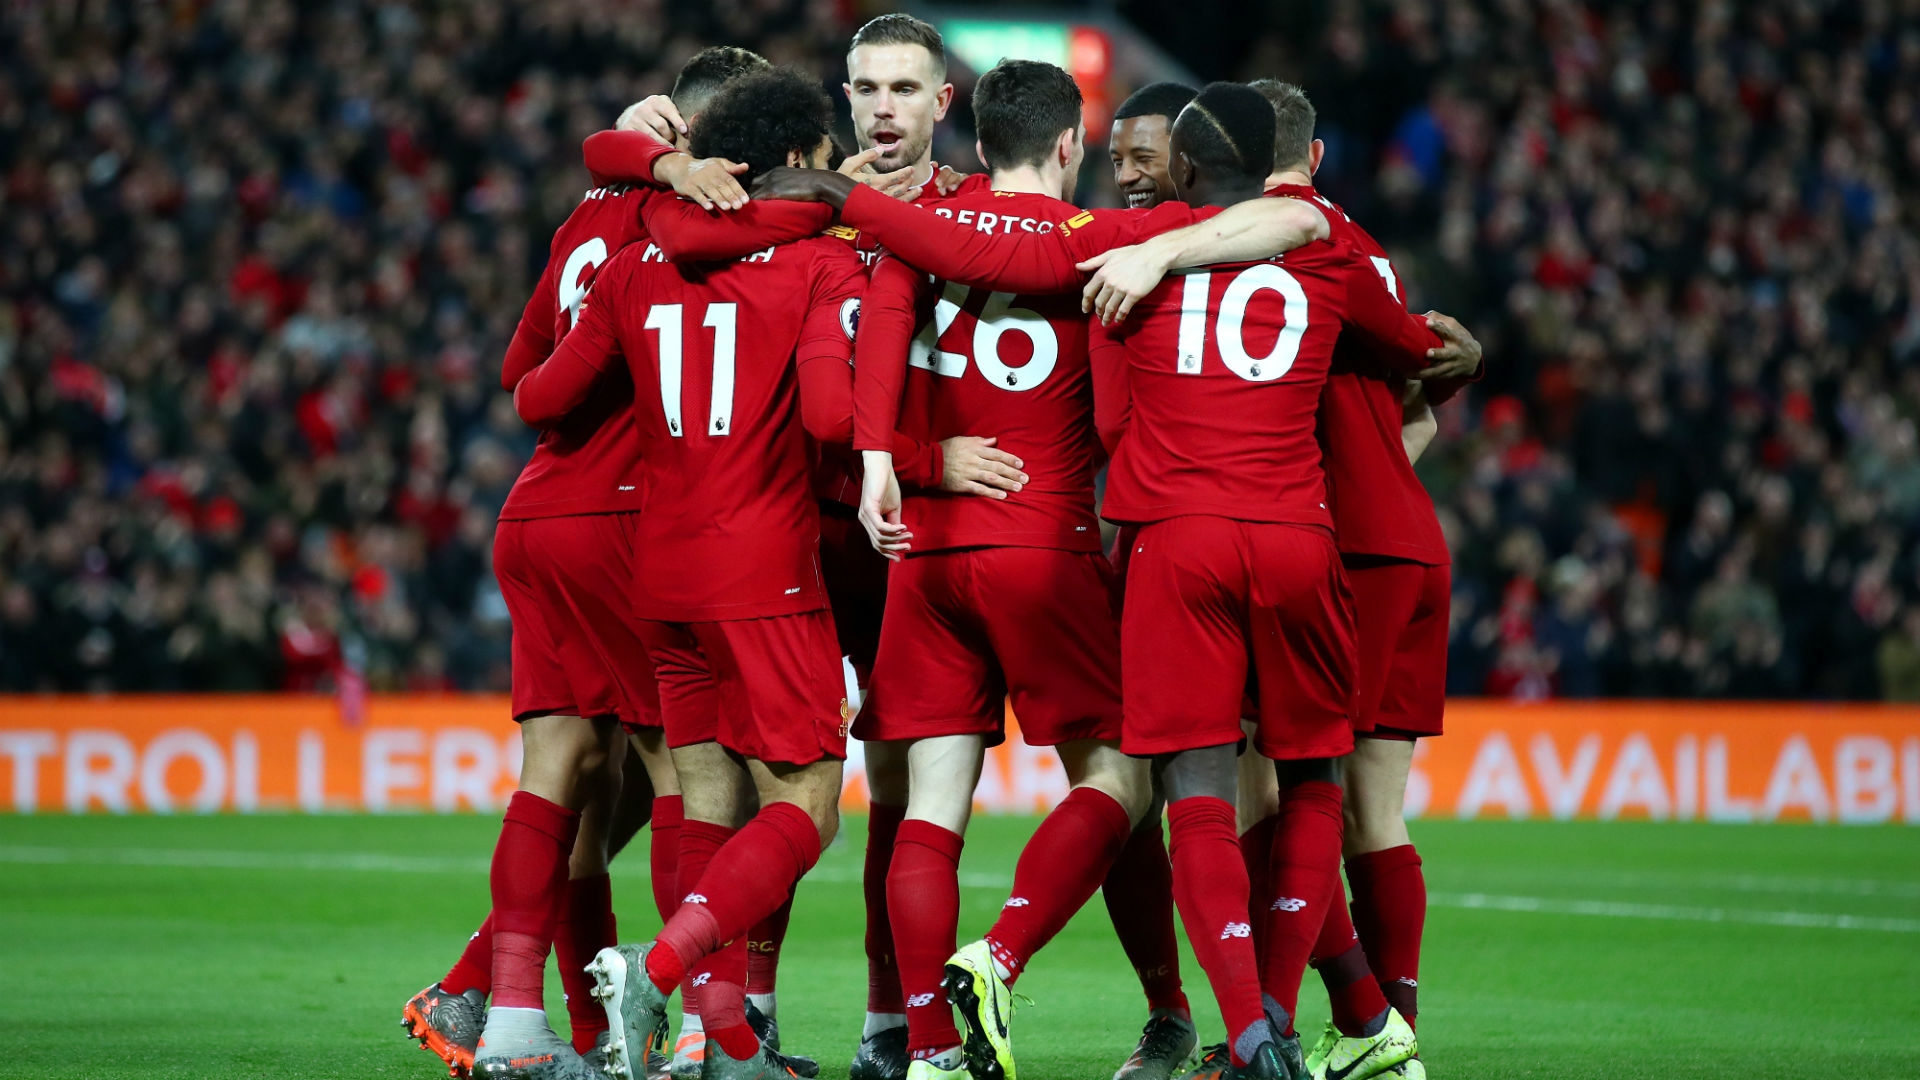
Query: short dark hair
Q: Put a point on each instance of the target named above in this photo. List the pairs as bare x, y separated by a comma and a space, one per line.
1156, 99
708, 70
898, 29
1293, 118
1227, 130
756, 119
1019, 108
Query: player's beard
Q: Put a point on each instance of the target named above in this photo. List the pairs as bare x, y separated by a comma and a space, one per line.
908, 151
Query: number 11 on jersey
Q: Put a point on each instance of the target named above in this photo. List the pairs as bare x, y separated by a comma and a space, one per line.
721, 319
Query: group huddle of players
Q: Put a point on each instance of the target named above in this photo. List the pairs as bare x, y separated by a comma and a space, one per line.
824, 461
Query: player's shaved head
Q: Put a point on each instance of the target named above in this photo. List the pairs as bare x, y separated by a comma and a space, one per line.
1156, 99
1293, 120
1223, 139
1020, 110
708, 70
760, 119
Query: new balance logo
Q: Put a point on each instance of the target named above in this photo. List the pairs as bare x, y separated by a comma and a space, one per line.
1288, 903
919, 1001
701, 979
1236, 929
1018, 901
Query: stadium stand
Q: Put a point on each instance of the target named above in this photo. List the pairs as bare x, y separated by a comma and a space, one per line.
259, 260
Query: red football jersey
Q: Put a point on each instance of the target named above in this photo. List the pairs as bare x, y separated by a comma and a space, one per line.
588, 463
1379, 505
973, 361
1225, 366
685, 233
917, 459
720, 353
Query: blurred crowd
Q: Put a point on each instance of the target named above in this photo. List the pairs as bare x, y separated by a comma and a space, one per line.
259, 261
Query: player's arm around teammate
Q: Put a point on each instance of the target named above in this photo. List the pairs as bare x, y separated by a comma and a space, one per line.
1045, 261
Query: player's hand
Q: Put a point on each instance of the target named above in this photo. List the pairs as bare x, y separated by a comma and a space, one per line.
804, 185
707, 181
880, 506
897, 184
655, 114
1458, 356
974, 467
947, 180
1121, 278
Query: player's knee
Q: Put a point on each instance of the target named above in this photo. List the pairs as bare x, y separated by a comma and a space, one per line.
1259, 796
1375, 831
1210, 772
941, 799
650, 746
1307, 770
563, 758
827, 821
887, 773
1102, 767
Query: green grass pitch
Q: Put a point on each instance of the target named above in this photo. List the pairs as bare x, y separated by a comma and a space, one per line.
284, 947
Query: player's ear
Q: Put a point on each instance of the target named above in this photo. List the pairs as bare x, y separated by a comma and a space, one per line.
941, 101
1316, 152
796, 160
1063, 147
981, 153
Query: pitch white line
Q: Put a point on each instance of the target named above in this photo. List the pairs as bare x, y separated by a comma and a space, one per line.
375, 862
1671, 912
193, 858
1755, 883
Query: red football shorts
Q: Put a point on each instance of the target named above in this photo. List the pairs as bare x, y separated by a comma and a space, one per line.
967, 630
1401, 610
576, 646
856, 580
1211, 601
768, 689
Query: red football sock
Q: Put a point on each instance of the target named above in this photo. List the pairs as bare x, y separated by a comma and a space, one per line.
1390, 911
1139, 896
474, 969
586, 926
1342, 965
529, 885
737, 1039
1210, 885
699, 841
1256, 850
923, 893
763, 949
1306, 876
883, 976
663, 854
1336, 930
720, 987
1065, 860
748, 878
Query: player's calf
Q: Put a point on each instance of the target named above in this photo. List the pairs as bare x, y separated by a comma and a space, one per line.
1070, 853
